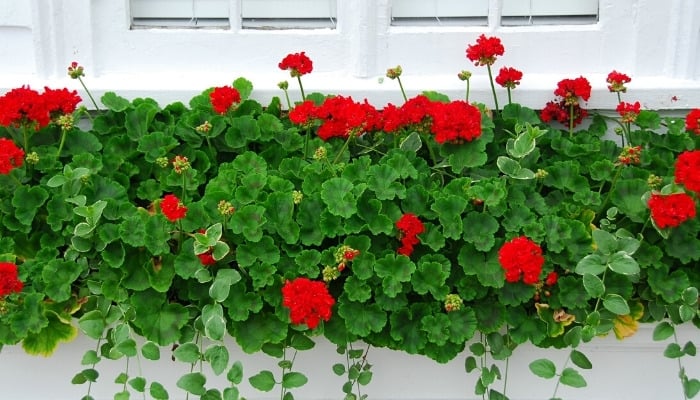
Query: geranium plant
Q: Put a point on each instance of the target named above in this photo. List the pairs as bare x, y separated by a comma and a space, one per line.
431, 227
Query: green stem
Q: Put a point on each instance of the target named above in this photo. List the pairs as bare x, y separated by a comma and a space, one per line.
403, 92
97, 349
342, 149
60, 145
286, 96
301, 87
681, 370
94, 103
571, 120
468, 87
493, 88
612, 186
306, 142
556, 387
510, 100
25, 136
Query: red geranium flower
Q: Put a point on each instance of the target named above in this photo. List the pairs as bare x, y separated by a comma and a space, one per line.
9, 282
308, 301
692, 121
485, 50
551, 279
687, 171
410, 227
455, 121
572, 89
172, 208
60, 101
509, 77
302, 113
628, 111
11, 156
23, 106
298, 64
672, 209
559, 111
206, 258
521, 256
222, 98
342, 116
616, 81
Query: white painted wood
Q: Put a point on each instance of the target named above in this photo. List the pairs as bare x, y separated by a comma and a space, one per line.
632, 369
656, 43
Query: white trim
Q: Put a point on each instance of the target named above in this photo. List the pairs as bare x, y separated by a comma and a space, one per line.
655, 43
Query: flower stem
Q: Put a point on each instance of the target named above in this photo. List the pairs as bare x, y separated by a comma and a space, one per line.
60, 145
612, 186
403, 92
94, 103
286, 96
571, 120
493, 88
510, 100
301, 87
468, 87
342, 149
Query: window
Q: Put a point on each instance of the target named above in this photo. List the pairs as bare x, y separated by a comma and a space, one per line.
254, 14
476, 12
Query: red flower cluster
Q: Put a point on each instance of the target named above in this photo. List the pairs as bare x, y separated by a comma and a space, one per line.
559, 111
455, 121
616, 81
571, 89
223, 98
551, 279
23, 105
172, 208
308, 301
509, 77
9, 282
485, 50
521, 256
340, 117
410, 227
630, 155
298, 64
628, 111
11, 156
687, 171
692, 121
672, 209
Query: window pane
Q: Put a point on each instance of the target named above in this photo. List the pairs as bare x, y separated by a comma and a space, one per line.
179, 13
439, 12
539, 12
288, 14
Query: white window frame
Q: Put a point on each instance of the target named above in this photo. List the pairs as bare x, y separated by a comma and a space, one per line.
655, 43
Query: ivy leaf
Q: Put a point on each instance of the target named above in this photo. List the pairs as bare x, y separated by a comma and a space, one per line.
193, 383
158, 392
594, 285
571, 377
264, 381
624, 264
592, 264
292, 380
616, 304
543, 368
217, 355
580, 360
235, 374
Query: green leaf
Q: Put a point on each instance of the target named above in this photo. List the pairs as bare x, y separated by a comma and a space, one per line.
690, 296
543, 368
663, 331
292, 380
27, 200
480, 229
594, 285
187, 353
235, 374
691, 387
470, 364
301, 342
217, 356
150, 351
90, 357
592, 264
193, 383
158, 392
580, 360
606, 241
220, 288
616, 304
264, 381
138, 384
214, 321
92, 324
513, 169
339, 196
115, 103
449, 209
123, 395
47, 339
673, 350
571, 377
622, 263
411, 143
339, 369
361, 319
244, 87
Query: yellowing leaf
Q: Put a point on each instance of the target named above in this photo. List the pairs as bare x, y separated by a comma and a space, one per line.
46, 340
625, 326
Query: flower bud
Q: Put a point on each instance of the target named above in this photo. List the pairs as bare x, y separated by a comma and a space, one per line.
320, 154
32, 158
330, 273
297, 196
180, 164
75, 71
225, 208
162, 162
204, 128
284, 85
464, 75
453, 302
393, 73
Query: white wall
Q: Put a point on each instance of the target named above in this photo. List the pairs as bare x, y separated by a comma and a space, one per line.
633, 369
655, 42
